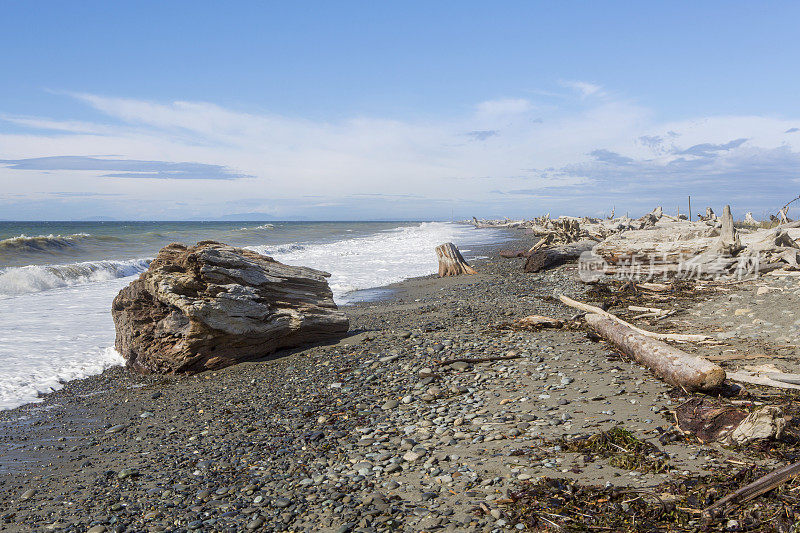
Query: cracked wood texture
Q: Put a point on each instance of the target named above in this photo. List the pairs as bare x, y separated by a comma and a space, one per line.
211, 305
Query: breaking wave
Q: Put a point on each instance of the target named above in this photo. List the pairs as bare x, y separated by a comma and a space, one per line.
379, 259
24, 244
36, 278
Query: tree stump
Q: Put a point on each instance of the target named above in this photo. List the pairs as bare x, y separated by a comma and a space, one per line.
451, 262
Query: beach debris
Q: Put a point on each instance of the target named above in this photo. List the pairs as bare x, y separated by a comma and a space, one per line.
658, 244
623, 449
764, 423
511, 254
758, 487
668, 363
544, 258
211, 305
681, 337
475, 360
537, 322
768, 375
451, 262
712, 420
708, 419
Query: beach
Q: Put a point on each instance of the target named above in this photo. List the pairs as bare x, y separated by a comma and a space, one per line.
370, 433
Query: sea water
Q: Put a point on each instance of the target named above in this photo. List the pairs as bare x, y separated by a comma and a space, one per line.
57, 279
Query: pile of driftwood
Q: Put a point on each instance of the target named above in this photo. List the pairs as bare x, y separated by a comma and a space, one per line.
660, 245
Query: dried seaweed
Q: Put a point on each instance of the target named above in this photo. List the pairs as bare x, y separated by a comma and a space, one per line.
623, 450
564, 505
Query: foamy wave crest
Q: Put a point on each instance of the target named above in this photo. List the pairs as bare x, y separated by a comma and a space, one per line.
41, 243
257, 228
36, 278
380, 259
24, 383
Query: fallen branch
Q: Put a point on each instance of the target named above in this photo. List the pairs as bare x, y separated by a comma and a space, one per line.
738, 356
756, 488
646, 309
657, 287
536, 322
545, 258
660, 336
474, 360
757, 379
669, 363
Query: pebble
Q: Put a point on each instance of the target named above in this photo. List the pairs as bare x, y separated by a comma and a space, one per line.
391, 404
281, 502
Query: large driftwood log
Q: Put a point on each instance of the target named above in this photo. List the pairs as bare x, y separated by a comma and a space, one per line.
682, 337
557, 255
211, 305
668, 363
451, 262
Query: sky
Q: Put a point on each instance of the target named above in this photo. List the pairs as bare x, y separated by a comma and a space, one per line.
396, 110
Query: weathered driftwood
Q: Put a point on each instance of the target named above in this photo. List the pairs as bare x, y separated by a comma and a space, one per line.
211, 305
451, 262
755, 378
710, 419
473, 360
670, 364
728, 242
557, 255
756, 488
653, 335
658, 244
538, 321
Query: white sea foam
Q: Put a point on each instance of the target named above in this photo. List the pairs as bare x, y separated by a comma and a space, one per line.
54, 336
376, 260
55, 321
36, 278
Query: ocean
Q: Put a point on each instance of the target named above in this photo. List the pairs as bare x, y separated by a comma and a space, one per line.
57, 279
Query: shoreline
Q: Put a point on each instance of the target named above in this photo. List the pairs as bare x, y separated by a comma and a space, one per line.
365, 434
76, 311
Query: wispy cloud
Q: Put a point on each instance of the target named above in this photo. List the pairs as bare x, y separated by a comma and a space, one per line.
125, 168
583, 88
581, 154
482, 135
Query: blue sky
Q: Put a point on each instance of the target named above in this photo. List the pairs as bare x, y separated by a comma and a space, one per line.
364, 110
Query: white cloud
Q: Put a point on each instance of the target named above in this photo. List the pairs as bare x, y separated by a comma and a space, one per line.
578, 155
584, 88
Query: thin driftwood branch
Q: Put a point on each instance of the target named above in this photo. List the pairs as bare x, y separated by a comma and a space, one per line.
761, 379
660, 336
478, 359
756, 488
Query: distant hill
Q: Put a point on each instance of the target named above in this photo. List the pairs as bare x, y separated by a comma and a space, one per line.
96, 219
257, 217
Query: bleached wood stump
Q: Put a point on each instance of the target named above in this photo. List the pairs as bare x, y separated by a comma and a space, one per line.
451, 262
